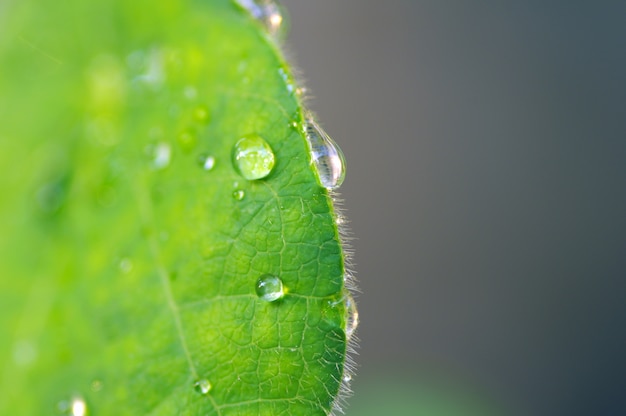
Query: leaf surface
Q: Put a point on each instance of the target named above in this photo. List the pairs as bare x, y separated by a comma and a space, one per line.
131, 245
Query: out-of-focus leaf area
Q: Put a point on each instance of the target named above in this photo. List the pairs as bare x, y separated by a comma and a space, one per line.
151, 262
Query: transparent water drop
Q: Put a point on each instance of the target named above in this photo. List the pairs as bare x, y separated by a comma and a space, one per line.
126, 265
201, 114
352, 316
24, 353
190, 92
270, 288
347, 378
202, 386
76, 407
253, 157
325, 155
162, 156
206, 162
283, 74
52, 195
239, 194
269, 13
187, 140
96, 386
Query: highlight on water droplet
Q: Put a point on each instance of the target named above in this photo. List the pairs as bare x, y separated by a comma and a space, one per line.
270, 288
202, 386
347, 378
352, 316
206, 162
325, 155
162, 155
269, 13
75, 407
253, 157
239, 194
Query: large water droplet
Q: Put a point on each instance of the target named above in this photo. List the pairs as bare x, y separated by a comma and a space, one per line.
352, 316
253, 157
202, 386
269, 288
268, 12
325, 155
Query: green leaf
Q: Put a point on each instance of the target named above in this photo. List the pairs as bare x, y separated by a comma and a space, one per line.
132, 243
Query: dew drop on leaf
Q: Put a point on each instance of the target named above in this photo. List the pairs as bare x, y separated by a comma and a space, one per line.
268, 12
201, 114
202, 386
269, 288
253, 157
206, 162
187, 140
162, 155
239, 194
74, 407
325, 155
126, 265
352, 316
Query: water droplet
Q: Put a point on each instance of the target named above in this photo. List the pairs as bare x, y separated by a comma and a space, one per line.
352, 316
162, 156
201, 114
202, 386
347, 378
239, 194
269, 288
206, 162
190, 92
96, 386
24, 353
126, 265
53, 194
75, 407
325, 155
187, 140
253, 157
283, 74
269, 13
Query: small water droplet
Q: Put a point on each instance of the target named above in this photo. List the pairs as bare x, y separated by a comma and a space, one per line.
52, 195
253, 157
202, 386
352, 316
201, 114
161, 156
283, 74
325, 155
126, 265
347, 378
190, 92
96, 386
269, 288
269, 13
24, 353
239, 194
75, 407
206, 162
187, 140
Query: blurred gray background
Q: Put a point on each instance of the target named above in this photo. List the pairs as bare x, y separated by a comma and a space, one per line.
486, 188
